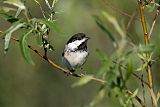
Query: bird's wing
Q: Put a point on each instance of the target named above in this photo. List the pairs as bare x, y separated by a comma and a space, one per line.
67, 64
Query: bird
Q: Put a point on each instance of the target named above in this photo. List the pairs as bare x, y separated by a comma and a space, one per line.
75, 52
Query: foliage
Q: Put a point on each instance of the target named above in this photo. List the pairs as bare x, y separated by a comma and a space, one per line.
116, 68
36, 26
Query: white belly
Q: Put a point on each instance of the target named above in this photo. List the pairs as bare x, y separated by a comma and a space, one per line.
76, 59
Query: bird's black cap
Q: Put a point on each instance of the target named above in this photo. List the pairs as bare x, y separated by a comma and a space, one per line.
77, 36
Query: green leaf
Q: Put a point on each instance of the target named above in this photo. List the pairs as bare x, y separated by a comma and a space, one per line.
39, 39
7, 9
106, 63
134, 93
24, 47
114, 22
16, 3
101, 94
103, 56
158, 96
105, 29
9, 32
54, 2
142, 67
129, 99
146, 49
47, 3
151, 7
142, 56
52, 25
19, 10
84, 80
9, 18
129, 69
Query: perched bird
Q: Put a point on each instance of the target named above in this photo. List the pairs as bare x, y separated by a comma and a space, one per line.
75, 52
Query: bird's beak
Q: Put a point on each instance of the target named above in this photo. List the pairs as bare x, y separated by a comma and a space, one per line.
88, 38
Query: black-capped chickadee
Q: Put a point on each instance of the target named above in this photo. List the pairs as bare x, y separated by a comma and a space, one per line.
75, 52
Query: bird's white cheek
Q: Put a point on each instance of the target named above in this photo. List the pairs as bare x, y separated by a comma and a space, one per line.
75, 44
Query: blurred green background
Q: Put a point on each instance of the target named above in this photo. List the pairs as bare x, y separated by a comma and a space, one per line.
24, 85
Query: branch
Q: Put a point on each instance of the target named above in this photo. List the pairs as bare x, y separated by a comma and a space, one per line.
71, 73
61, 69
143, 21
146, 39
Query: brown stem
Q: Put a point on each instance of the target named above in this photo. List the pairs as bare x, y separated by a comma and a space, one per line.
133, 16
61, 69
146, 39
136, 97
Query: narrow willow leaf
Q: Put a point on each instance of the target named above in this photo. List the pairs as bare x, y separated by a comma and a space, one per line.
103, 56
39, 40
106, 63
101, 94
9, 32
129, 100
7, 9
84, 80
19, 10
16, 3
151, 7
123, 42
105, 29
158, 96
54, 2
9, 18
142, 67
47, 3
134, 93
146, 49
25, 49
52, 25
114, 22
129, 70
142, 56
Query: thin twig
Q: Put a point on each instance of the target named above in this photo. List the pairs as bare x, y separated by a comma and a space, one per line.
136, 97
43, 12
124, 67
143, 89
146, 39
154, 22
140, 79
118, 10
131, 19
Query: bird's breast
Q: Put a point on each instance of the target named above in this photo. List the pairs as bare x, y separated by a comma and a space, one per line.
76, 59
